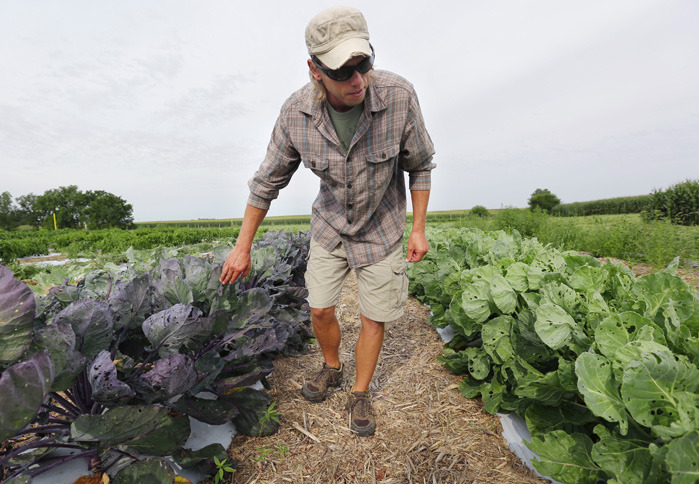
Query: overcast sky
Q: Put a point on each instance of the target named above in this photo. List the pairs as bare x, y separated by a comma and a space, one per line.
169, 104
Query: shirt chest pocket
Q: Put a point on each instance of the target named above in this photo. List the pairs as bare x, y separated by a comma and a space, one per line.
382, 153
317, 165
382, 163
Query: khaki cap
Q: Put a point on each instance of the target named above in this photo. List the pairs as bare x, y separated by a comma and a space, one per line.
337, 34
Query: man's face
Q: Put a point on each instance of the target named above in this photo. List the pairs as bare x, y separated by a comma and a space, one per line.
343, 95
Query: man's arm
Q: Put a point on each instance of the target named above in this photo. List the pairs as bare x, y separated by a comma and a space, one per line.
238, 262
417, 242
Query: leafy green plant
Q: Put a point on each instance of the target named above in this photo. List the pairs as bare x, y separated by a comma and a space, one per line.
282, 450
77, 243
112, 368
679, 204
263, 453
263, 423
527, 222
601, 365
269, 420
271, 415
221, 469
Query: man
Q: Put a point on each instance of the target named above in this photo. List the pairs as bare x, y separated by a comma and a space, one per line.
359, 130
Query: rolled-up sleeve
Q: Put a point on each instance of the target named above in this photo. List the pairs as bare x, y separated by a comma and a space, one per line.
275, 172
417, 149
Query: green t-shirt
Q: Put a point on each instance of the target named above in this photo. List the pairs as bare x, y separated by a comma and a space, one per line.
345, 123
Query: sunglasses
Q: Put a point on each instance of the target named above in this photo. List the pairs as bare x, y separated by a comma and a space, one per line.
346, 72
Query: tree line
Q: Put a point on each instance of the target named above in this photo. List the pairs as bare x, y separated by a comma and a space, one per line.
73, 209
678, 204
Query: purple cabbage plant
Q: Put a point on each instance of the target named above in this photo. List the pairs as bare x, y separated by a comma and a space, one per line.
110, 369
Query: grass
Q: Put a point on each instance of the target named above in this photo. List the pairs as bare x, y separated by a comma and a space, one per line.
624, 236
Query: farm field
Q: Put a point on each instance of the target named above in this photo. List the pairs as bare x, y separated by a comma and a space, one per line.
648, 245
624, 237
433, 455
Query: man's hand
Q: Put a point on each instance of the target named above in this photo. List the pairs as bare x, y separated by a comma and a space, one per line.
238, 264
417, 246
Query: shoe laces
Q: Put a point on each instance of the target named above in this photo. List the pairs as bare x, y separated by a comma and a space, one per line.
360, 406
326, 375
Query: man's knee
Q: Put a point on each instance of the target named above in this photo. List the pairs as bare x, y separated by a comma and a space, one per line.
323, 315
371, 326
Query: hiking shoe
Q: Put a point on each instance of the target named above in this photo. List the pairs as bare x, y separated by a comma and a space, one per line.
316, 390
361, 414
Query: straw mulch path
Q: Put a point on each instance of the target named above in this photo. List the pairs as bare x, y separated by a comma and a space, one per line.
427, 432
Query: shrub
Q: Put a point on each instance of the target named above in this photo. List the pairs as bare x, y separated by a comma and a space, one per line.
543, 199
480, 211
678, 204
527, 222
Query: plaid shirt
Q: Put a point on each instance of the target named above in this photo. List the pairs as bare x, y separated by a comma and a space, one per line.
362, 199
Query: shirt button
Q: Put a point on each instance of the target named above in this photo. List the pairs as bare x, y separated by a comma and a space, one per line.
384, 156
349, 205
349, 221
349, 185
313, 164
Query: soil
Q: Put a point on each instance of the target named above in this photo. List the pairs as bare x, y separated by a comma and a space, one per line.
42, 258
427, 432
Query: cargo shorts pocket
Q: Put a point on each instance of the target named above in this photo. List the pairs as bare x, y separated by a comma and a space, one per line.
400, 281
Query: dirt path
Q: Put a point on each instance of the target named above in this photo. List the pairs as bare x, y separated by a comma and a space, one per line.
427, 432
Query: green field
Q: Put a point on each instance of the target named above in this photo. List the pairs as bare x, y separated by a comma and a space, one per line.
625, 236
300, 220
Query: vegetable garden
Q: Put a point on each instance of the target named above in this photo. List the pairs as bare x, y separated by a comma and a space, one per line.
600, 363
112, 367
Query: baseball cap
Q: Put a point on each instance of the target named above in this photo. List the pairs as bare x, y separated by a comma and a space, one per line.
337, 34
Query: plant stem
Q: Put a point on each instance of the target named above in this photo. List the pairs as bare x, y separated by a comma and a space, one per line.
59, 429
68, 405
83, 392
59, 410
69, 458
49, 442
74, 395
59, 421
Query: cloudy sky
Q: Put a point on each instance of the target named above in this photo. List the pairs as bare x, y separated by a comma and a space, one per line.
170, 104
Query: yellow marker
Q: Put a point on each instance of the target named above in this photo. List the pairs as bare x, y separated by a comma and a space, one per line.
55, 227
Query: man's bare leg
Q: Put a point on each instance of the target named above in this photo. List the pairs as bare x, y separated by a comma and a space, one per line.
328, 334
366, 352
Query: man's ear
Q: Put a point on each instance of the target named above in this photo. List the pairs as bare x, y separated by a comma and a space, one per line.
314, 71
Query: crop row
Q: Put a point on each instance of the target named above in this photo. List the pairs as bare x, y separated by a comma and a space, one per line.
601, 365
232, 223
609, 206
15, 245
112, 367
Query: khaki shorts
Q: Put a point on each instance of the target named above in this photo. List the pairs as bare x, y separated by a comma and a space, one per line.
383, 287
